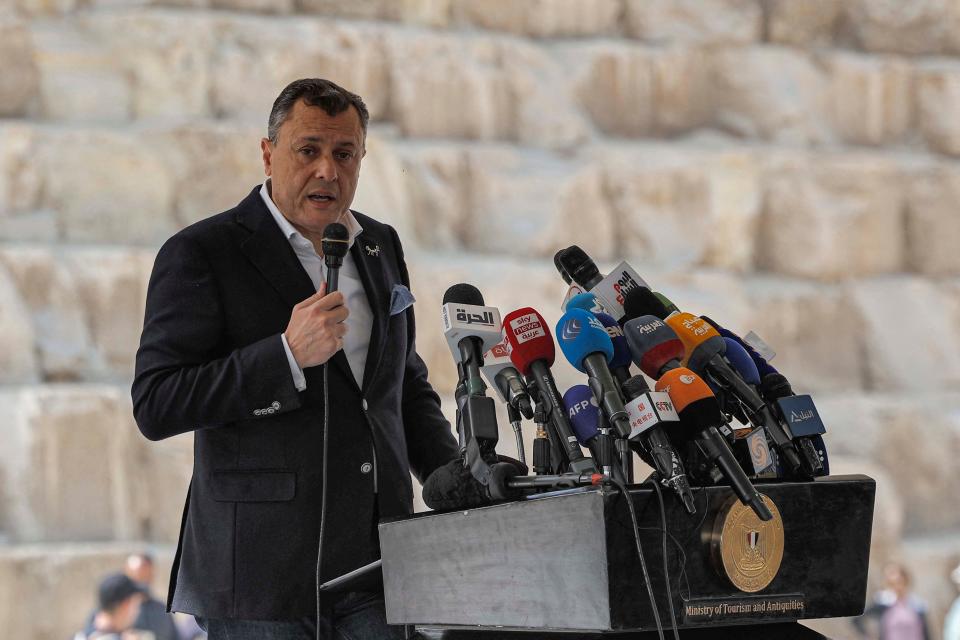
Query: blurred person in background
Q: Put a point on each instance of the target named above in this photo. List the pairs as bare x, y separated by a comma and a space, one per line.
118, 605
951, 625
153, 616
898, 614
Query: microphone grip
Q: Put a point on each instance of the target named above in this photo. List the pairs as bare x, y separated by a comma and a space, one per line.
719, 452
333, 279
607, 392
550, 399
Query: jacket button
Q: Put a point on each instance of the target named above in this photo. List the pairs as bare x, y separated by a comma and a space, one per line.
366, 467
363, 403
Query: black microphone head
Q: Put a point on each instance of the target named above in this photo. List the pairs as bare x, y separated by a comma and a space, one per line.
699, 415
463, 294
775, 385
335, 242
635, 387
558, 263
579, 266
640, 301
453, 487
704, 352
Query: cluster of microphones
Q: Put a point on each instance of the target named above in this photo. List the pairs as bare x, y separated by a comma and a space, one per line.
716, 412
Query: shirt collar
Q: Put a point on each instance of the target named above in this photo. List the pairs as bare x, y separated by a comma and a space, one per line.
289, 231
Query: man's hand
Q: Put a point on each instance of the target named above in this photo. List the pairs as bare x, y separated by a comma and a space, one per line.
315, 331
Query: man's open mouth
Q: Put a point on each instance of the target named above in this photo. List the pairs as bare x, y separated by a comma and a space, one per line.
319, 197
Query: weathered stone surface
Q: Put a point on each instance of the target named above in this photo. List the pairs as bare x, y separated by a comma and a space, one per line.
106, 186
814, 330
213, 166
937, 97
18, 82
677, 206
60, 337
933, 222
75, 467
909, 345
254, 61
772, 93
632, 90
166, 56
921, 26
438, 183
34, 576
449, 87
870, 98
544, 18
258, 6
81, 78
384, 188
914, 438
20, 175
18, 361
362, 9
809, 23
832, 216
711, 21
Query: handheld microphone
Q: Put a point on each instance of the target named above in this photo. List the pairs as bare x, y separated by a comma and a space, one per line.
651, 414
705, 350
577, 265
532, 352
335, 243
561, 267
654, 345
587, 346
699, 417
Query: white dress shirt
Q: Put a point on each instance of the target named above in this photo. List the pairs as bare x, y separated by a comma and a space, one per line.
359, 323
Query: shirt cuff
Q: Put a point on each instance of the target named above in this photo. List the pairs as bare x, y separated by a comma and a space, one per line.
299, 380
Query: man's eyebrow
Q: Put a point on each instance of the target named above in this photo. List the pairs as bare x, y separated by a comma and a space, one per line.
339, 143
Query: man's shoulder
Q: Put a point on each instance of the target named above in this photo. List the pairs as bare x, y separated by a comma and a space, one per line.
222, 226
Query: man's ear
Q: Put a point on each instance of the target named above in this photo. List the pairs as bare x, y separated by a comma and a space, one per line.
267, 148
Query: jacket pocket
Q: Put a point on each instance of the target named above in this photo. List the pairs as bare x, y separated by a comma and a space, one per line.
253, 486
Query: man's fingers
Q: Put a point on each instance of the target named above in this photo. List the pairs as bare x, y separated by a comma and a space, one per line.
331, 301
306, 302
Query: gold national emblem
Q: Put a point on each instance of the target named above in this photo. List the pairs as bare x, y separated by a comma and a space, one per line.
748, 550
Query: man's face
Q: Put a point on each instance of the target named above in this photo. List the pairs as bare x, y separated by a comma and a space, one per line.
314, 166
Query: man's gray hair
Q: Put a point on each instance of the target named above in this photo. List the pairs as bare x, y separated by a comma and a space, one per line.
316, 92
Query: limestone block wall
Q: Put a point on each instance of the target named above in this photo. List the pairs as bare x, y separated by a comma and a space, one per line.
787, 167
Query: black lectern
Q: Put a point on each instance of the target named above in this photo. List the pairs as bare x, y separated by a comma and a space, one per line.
567, 562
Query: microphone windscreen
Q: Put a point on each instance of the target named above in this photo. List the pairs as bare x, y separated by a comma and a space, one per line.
764, 368
694, 332
640, 301
685, 387
667, 305
579, 266
583, 411
652, 343
529, 339
557, 262
621, 350
775, 385
335, 241
463, 294
453, 487
741, 362
580, 334
586, 301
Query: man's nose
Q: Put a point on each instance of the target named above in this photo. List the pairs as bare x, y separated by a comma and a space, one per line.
325, 168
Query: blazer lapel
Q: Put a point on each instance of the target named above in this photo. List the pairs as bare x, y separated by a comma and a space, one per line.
273, 256
370, 266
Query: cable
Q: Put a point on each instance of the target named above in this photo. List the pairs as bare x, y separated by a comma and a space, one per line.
643, 562
666, 570
323, 499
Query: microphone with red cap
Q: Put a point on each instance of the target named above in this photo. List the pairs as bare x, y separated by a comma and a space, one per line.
532, 352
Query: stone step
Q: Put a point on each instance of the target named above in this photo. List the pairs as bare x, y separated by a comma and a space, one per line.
148, 62
823, 215
74, 313
47, 591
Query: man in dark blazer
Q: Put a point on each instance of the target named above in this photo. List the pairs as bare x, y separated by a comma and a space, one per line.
309, 409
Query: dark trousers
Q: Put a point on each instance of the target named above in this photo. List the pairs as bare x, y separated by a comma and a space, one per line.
356, 616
